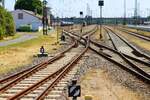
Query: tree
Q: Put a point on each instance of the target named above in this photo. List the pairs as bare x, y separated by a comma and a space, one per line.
29, 5
10, 26
2, 23
7, 27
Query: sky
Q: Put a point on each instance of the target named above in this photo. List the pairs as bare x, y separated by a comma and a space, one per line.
112, 8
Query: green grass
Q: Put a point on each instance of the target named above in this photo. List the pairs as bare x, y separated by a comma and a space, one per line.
11, 37
28, 43
28, 48
17, 55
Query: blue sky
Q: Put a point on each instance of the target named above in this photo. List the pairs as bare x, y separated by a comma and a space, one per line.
112, 8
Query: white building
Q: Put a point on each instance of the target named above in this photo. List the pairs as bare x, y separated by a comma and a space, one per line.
24, 17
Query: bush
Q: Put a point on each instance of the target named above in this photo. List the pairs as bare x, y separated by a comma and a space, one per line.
25, 28
1, 33
10, 26
2, 20
7, 27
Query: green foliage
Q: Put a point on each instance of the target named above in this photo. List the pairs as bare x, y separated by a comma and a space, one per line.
10, 26
6, 23
29, 5
1, 33
25, 28
2, 19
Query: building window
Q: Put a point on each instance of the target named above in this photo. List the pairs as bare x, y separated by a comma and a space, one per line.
20, 15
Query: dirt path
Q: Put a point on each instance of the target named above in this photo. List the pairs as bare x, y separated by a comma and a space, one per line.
97, 84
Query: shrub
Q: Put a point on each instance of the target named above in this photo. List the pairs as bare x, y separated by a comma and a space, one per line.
10, 26
25, 28
1, 33
2, 20
7, 27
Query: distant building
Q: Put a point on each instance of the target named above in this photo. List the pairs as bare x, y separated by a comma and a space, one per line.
147, 23
25, 17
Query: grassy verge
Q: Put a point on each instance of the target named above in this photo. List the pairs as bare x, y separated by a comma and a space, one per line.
10, 37
139, 31
139, 42
20, 54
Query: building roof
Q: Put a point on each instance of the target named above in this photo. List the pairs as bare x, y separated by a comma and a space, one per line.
33, 14
30, 13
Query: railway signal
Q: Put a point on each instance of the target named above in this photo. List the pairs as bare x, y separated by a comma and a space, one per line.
45, 19
101, 3
74, 90
81, 16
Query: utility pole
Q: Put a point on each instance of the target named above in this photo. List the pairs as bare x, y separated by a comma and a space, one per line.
124, 21
101, 3
45, 19
57, 29
90, 17
136, 12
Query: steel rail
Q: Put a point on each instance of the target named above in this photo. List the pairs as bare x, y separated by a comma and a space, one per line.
11, 77
132, 46
131, 71
68, 68
108, 48
136, 67
38, 84
35, 69
41, 82
147, 38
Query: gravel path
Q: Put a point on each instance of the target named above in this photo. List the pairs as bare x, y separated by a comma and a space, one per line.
117, 78
18, 40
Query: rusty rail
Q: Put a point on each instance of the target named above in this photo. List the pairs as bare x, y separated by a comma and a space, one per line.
33, 70
137, 74
68, 68
132, 46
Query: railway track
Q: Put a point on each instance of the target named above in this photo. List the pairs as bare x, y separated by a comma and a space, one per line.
48, 79
147, 38
140, 65
118, 58
136, 50
43, 78
35, 67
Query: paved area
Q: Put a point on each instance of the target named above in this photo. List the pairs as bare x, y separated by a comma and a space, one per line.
18, 40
